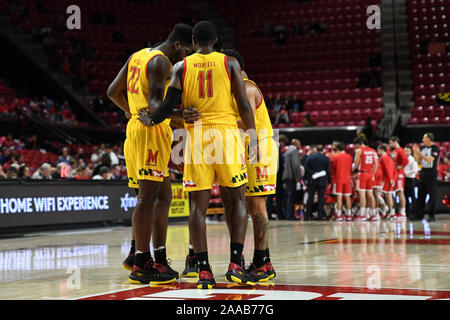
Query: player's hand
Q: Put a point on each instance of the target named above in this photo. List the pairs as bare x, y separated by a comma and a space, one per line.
190, 114
393, 183
144, 116
127, 115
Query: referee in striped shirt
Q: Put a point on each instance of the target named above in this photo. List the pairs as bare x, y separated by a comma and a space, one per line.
428, 158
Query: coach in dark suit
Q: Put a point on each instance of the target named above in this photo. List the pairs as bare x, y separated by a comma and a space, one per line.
317, 170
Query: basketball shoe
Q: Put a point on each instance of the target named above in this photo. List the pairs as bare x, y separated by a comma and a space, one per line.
152, 273
128, 263
190, 267
237, 273
206, 280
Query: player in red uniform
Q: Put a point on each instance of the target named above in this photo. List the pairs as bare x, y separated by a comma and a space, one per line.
342, 166
377, 191
366, 164
389, 177
401, 160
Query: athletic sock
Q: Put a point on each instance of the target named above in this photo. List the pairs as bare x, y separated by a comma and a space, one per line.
236, 252
133, 247
141, 258
267, 257
191, 251
338, 213
160, 255
258, 258
362, 213
203, 263
403, 211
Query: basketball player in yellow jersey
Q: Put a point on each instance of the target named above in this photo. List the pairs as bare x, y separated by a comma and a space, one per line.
208, 80
261, 175
145, 78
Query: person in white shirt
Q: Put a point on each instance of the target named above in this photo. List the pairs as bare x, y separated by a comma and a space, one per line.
411, 170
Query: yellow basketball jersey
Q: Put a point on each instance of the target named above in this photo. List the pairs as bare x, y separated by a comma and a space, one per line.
207, 87
262, 120
137, 80
263, 125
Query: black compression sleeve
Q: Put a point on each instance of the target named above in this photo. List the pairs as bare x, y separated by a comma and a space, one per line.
166, 107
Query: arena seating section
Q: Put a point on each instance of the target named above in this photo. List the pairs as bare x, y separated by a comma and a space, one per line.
321, 69
431, 72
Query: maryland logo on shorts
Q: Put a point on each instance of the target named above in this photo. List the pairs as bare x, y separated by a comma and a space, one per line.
152, 157
262, 174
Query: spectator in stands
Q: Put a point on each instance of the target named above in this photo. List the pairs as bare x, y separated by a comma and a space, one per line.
282, 116
116, 172
296, 29
317, 28
104, 161
308, 121
280, 33
447, 176
443, 167
24, 172
410, 181
267, 28
81, 173
11, 172
64, 157
80, 154
44, 172
2, 173
291, 176
360, 134
109, 150
103, 174
297, 104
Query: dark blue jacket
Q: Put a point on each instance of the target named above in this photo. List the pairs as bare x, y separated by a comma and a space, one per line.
315, 163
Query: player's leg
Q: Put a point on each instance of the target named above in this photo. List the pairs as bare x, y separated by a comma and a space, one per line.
141, 227
261, 266
197, 234
339, 205
238, 228
361, 187
373, 212
128, 263
160, 226
400, 187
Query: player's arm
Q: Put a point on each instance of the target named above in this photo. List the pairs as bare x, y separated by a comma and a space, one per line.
253, 97
118, 88
420, 156
357, 160
164, 109
375, 165
239, 92
159, 69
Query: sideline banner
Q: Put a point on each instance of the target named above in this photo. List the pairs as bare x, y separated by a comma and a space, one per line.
24, 204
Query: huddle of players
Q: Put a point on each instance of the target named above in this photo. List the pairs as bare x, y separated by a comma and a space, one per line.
377, 173
214, 89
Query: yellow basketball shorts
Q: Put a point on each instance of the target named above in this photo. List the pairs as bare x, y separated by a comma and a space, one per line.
213, 152
147, 152
262, 175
